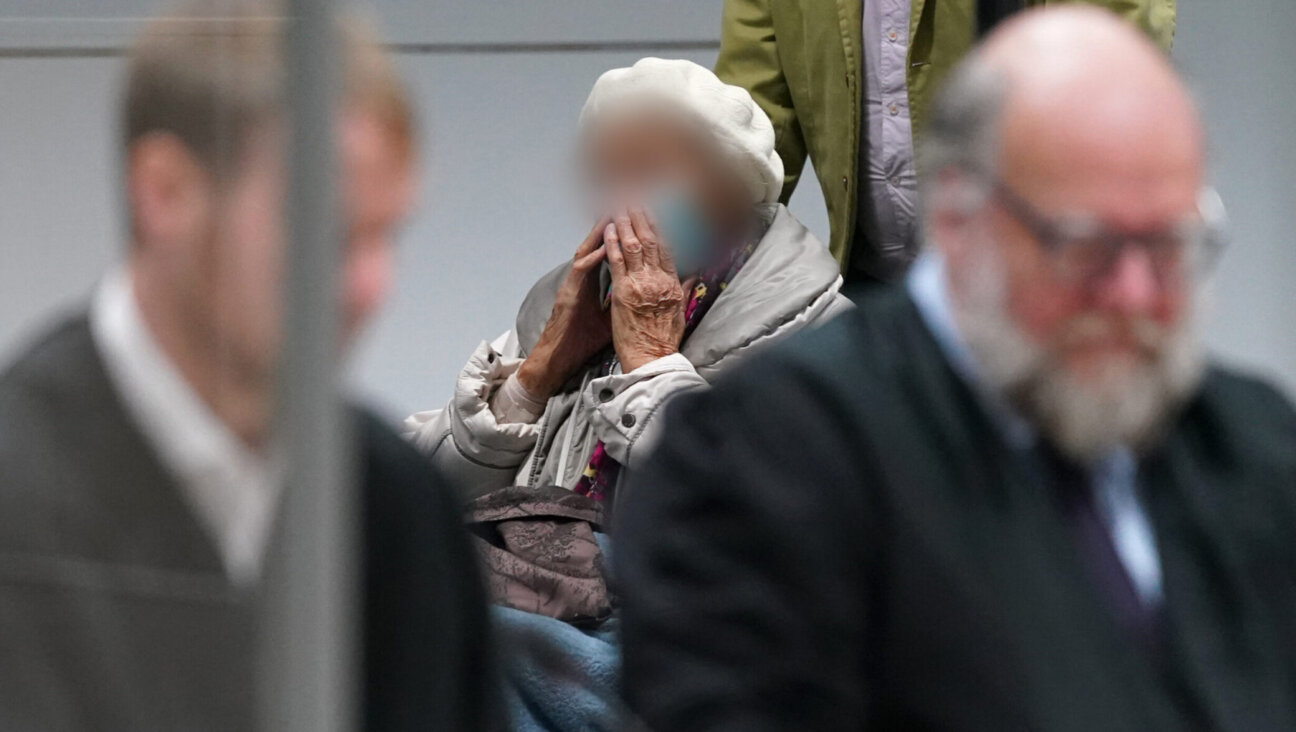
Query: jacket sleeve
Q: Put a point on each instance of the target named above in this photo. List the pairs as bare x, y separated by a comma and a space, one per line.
428, 653
740, 562
626, 408
465, 442
749, 57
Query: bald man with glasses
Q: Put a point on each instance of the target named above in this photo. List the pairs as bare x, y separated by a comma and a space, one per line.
1013, 494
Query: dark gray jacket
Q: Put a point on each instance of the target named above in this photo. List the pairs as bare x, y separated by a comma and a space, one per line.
115, 612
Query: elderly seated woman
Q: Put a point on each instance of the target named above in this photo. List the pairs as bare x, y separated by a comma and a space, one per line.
693, 267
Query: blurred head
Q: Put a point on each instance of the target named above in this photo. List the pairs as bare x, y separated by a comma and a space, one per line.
672, 124
205, 175
1063, 179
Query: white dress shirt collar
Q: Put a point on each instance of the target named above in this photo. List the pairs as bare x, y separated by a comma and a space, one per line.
229, 487
926, 285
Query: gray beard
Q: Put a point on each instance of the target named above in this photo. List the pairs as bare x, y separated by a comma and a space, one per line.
1128, 403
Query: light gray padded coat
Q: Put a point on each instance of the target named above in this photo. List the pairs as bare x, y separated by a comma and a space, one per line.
790, 283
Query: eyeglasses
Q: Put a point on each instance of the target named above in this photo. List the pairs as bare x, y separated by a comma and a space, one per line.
1082, 249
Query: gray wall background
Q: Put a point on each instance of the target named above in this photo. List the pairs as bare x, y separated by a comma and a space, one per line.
500, 84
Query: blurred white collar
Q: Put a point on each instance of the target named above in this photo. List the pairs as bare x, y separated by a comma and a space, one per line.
927, 287
229, 487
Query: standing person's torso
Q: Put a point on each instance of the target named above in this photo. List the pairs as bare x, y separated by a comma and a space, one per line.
820, 58
822, 53
886, 218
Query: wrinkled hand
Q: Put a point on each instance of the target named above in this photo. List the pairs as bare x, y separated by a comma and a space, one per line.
647, 297
577, 328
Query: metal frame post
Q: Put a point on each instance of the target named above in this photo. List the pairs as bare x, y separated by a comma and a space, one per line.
309, 623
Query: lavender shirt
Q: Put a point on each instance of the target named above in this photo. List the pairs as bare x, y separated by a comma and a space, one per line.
887, 211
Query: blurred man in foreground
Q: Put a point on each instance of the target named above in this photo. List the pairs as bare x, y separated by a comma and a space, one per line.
1029, 504
137, 481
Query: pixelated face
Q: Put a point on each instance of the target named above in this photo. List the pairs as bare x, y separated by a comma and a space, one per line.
632, 154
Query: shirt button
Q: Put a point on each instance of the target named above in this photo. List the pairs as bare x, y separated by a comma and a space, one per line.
894, 109
894, 180
845, 183
891, 34
606, 395
627, 420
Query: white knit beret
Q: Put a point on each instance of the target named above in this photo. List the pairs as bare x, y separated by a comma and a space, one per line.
734, 120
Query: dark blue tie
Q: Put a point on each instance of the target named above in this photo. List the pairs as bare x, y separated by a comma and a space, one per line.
1097, 551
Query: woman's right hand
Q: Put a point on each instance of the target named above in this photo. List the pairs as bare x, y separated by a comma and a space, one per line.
577, 328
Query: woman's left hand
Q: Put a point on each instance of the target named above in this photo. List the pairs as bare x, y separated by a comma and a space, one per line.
647, 297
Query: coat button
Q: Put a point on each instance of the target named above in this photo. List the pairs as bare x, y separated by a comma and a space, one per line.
627, 420
845, 183
606, 395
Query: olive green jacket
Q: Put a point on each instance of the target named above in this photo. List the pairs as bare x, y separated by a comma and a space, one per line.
800, 59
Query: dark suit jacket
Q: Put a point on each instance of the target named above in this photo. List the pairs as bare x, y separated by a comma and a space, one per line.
836, 537
115, 613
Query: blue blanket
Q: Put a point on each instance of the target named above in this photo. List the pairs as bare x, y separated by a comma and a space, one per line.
559, 678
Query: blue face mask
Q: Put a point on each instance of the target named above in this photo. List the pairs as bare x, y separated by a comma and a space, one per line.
687, 233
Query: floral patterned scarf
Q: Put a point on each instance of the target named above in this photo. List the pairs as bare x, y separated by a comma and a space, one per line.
601, 472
